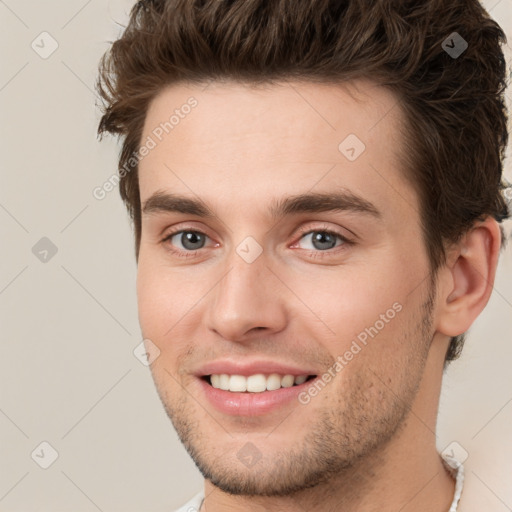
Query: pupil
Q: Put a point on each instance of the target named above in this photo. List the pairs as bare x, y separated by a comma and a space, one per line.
189, 238
319, 240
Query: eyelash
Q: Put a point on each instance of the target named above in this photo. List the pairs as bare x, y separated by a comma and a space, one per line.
302, 232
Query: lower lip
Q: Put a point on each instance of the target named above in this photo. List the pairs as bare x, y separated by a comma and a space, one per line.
252, 404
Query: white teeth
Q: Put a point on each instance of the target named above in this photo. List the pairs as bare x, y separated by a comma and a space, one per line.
273, 382
287, 381
224, 381
237, 383
215, 380
255, 383
301, 379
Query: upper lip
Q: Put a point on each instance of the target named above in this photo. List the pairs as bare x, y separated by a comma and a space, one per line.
251, 368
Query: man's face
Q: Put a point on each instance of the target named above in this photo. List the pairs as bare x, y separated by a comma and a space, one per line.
304, 289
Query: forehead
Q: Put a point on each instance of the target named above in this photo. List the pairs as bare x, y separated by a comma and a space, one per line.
247, 142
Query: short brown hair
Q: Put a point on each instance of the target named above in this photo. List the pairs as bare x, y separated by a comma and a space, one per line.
454, 106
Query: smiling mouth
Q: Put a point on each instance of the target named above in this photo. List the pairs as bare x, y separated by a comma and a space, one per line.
258, 383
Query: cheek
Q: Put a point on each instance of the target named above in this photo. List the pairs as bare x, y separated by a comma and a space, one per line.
155, 298
348, 300
364, 310
160, 309
167, 300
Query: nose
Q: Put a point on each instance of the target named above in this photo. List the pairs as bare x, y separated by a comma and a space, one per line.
248, 300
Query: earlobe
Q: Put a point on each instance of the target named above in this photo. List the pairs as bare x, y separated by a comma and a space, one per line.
469, 278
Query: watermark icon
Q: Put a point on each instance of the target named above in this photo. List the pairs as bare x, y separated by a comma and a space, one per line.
356, 346
249, 455
44, 455
149, 144
351, 147
44, 250
249, 249
455, 451
146, 352
454, 45
44, 45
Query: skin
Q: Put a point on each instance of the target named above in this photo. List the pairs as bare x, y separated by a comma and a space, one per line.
367, 440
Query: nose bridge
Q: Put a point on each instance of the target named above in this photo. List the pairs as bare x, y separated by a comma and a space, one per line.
246, 295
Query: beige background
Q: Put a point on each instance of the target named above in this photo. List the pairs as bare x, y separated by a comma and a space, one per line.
68, 373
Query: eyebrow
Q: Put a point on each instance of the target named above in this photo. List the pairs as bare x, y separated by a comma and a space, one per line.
163, 202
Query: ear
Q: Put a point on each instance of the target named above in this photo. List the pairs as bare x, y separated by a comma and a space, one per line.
465, 283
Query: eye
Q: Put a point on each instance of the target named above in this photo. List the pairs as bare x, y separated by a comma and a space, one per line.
189, 240
322, 240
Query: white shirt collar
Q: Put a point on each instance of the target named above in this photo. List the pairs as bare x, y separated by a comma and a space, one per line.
456, 469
